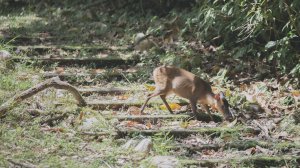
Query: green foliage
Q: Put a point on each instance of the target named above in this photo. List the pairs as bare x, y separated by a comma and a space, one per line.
258, 31
12, 81
288, 100
247, 26
247, 31
296, 116
220, 78
237, 99
162, 143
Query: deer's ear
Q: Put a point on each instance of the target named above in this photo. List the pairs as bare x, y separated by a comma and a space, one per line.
217, 97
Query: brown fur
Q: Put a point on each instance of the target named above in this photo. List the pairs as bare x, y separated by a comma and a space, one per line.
187, 85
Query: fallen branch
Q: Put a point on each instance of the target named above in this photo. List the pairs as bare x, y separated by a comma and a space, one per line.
141, 118
71, 76
35, 112
53, 82
187, 132
50, 120
256, 161
124, 104
97, 133
119, 133
98, 62
201, 147
243, 145
112, 91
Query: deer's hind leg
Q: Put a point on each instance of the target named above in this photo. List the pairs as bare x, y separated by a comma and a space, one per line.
163, 97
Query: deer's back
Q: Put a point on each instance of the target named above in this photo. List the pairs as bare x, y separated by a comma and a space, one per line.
180, 82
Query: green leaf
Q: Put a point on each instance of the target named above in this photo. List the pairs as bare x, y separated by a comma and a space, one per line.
270, 44
240, 52
296, 69
230, 11
271, 56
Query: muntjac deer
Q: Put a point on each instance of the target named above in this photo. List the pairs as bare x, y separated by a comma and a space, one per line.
187, 85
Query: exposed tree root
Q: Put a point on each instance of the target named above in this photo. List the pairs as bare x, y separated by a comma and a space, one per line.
53, 82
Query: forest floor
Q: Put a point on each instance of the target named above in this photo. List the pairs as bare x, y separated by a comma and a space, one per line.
50, 130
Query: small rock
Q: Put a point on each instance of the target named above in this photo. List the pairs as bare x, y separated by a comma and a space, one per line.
4, 55
60, 93
138, 37
144, 146
164, 162
35, 79
121, 161
130, 143
142, 44
281, 135
263, 150
88, 123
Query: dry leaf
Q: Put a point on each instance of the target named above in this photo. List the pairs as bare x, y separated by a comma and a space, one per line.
133, 110
148, 125
149, 87
208, 152
73, 29
251, 151
243, 87
250, 98
173, 106
132, 70
97, 71
53, 129
281, 135
59, 70
296, 93
227, 93
122, 97
131, 123
184, 124
263, 150
216, 68
215, 89
81, 115
102, 55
